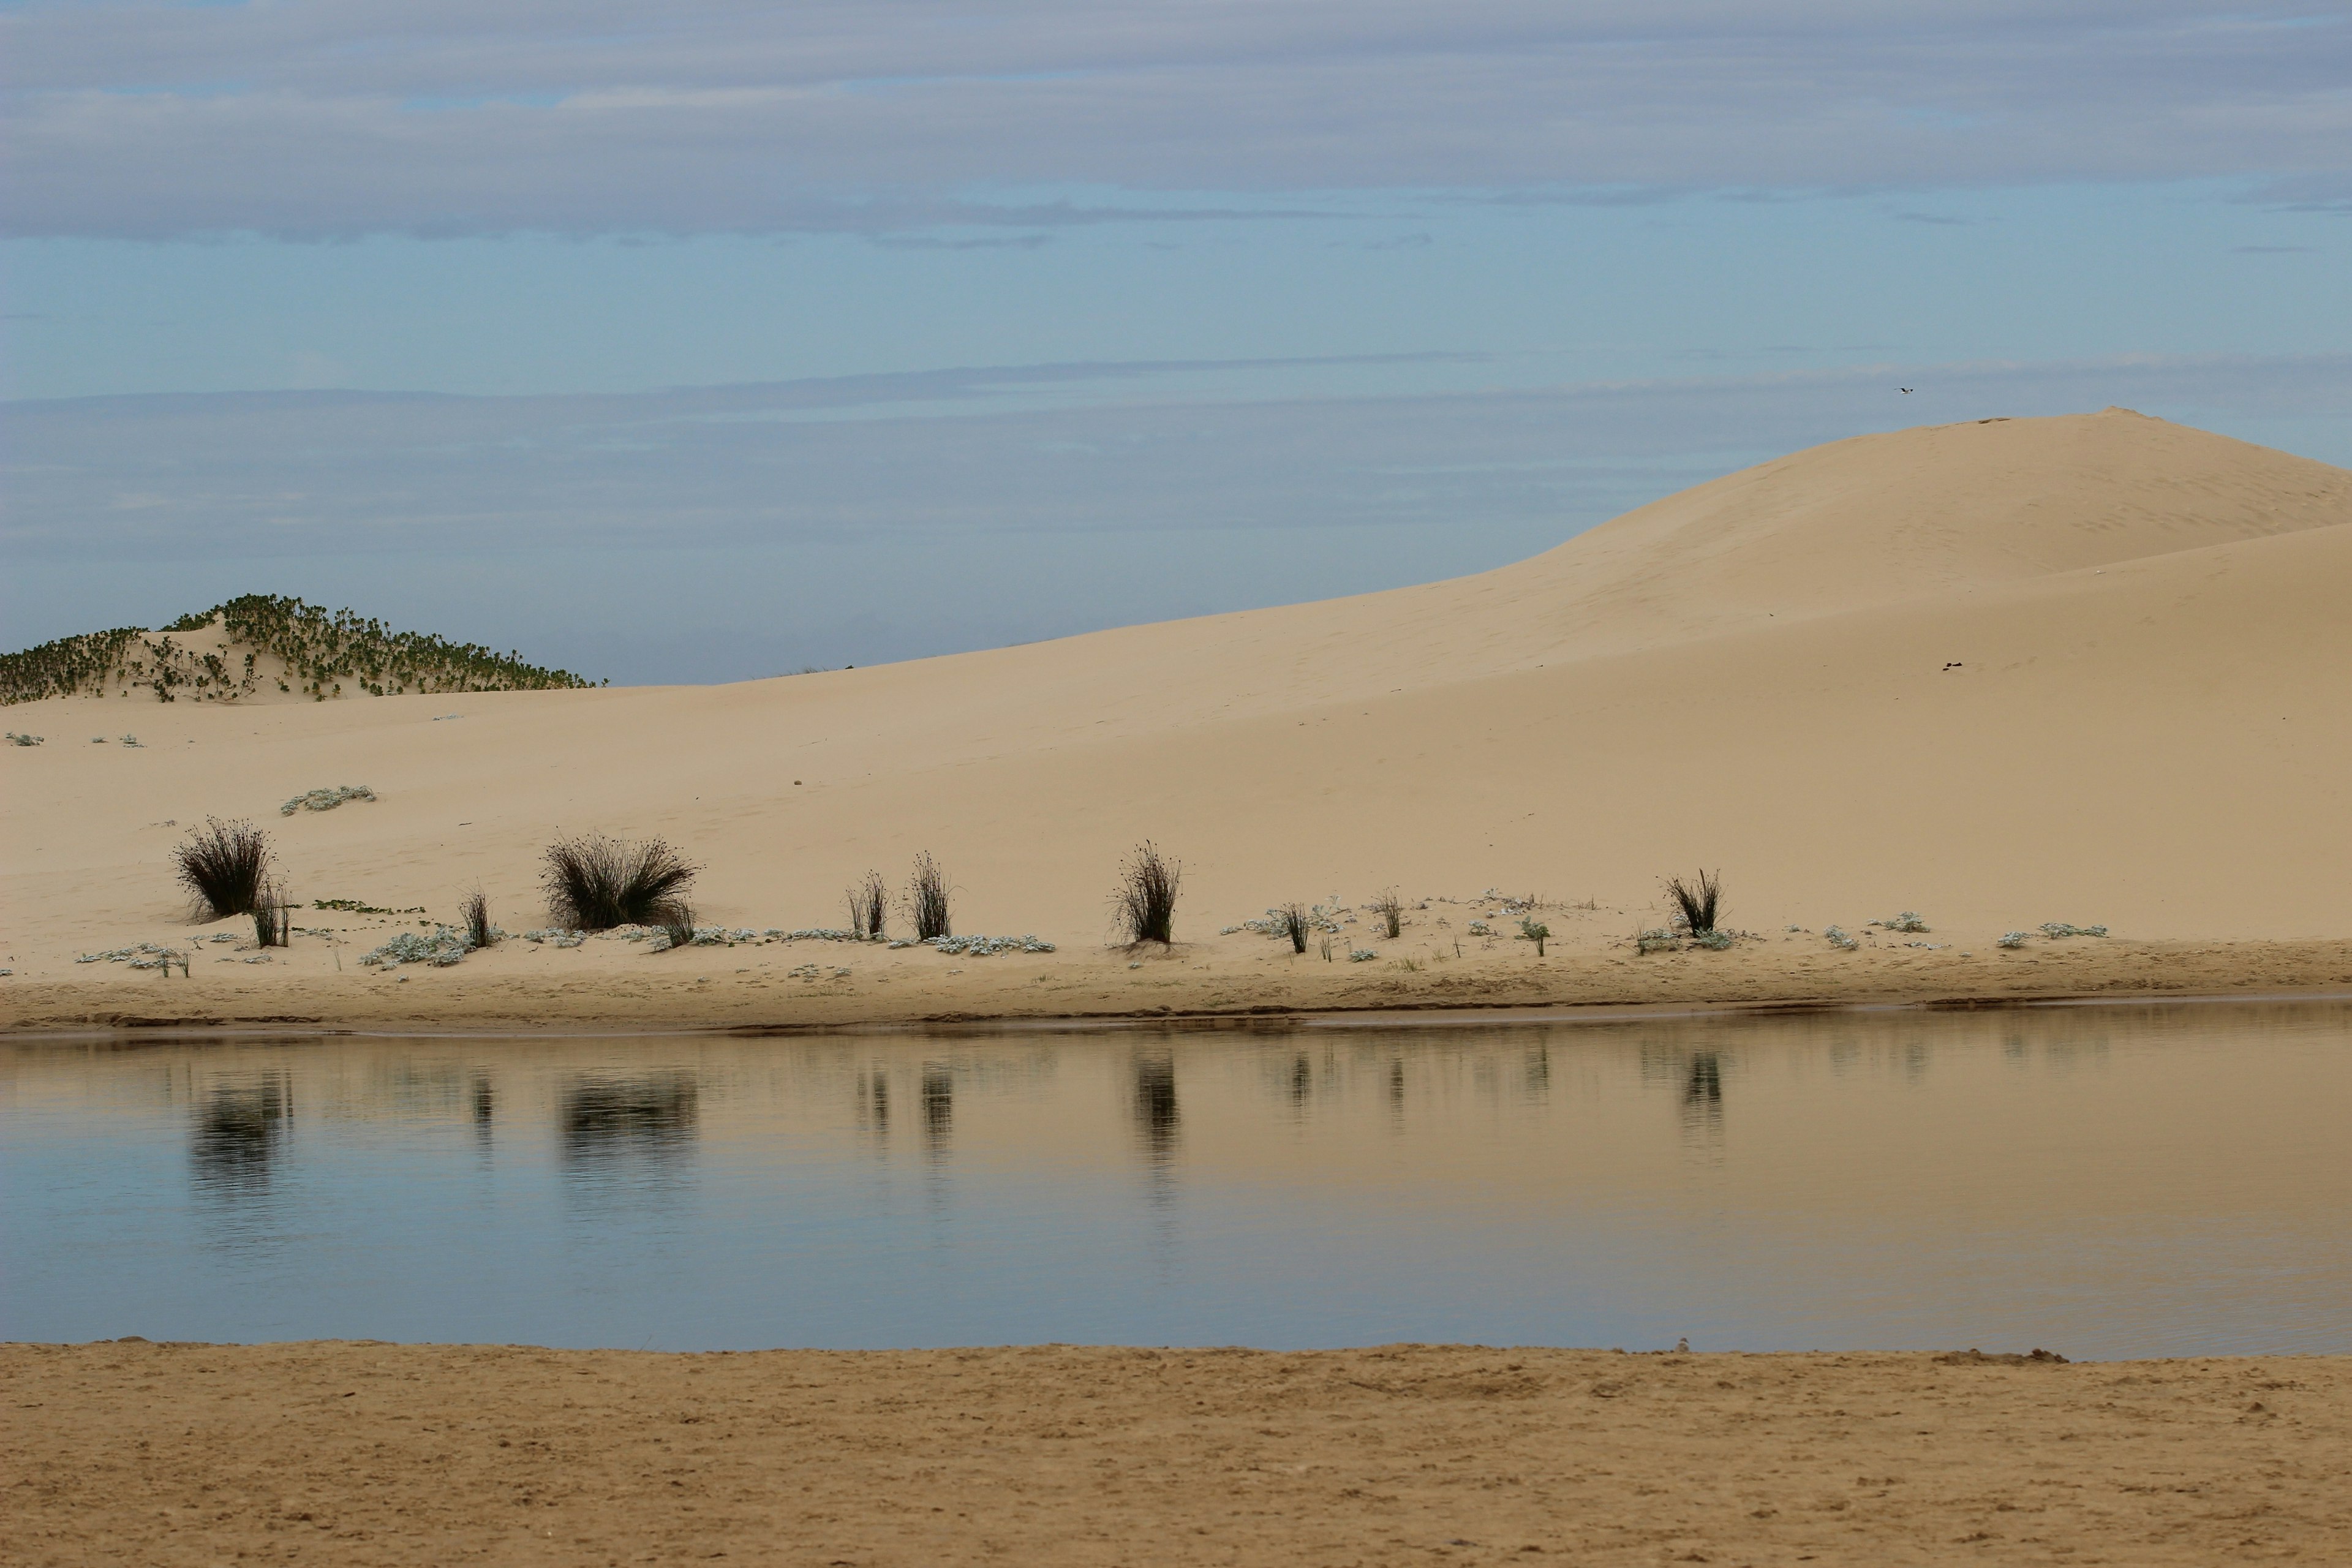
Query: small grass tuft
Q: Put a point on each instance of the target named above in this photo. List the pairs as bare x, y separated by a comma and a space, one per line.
1390, 908
594, 883
869, 901
675, 919
1535, 930
226, 865
926, 898
273, 921
474, 914
1697, 901
1291, 921
1145, 900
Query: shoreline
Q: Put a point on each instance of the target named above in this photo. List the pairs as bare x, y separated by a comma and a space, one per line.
1059, 1453
710, 992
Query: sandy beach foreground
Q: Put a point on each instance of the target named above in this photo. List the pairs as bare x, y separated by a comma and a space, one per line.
369, 1453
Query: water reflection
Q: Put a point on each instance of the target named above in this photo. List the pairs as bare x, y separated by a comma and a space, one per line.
939, 1107
1703, 1088
1154, 1102
2109, 1181
609, 1118
238, 1135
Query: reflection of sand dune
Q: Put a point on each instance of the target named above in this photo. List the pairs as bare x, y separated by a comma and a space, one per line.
2087, 669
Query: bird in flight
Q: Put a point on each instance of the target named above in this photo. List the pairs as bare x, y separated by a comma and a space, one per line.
1905, 389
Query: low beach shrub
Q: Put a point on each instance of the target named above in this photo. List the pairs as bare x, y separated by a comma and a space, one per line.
1535, 930
2010, 939
594, 883
326, 799
226, 865
1698, 901
1145, 900
926, 898
2053, 930
1841, 940
1908, 921
867, 900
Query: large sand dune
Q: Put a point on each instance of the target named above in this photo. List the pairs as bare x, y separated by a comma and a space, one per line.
2091, 668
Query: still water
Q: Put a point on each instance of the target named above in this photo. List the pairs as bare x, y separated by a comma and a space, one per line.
2103, 1182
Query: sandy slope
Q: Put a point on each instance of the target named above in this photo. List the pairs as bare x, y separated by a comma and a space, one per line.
389, 1454
2091, 668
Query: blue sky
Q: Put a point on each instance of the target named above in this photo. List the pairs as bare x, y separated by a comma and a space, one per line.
859, 332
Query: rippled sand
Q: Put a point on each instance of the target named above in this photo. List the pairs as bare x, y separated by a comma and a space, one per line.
374, 1453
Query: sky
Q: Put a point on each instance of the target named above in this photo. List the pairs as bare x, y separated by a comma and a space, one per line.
715, 340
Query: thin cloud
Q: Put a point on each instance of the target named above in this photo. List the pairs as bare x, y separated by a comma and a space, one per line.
345, 117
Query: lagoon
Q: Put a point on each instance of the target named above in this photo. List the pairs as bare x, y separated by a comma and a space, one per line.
2134, 1180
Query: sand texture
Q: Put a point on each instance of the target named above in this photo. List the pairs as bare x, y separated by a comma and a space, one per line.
383, 1453
2090, 669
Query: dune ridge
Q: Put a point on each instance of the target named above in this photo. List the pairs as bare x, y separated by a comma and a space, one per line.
2088, 668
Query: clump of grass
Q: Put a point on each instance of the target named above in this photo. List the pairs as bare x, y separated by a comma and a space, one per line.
2011, 939
1535, 930
677, 922
1841, 940
474, 914
226, 865
1145, 899
273, 921
1390, 908
867, 900
1697, 901
1290, 919
926, 898
594, 883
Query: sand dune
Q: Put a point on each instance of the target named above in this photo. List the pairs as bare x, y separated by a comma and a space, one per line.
2090, 669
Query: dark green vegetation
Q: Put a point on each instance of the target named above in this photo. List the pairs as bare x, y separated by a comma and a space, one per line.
1390, 908
325, 653
1291, 921
1145, 900
926, 898
1697, 901
594, 883
226, 865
